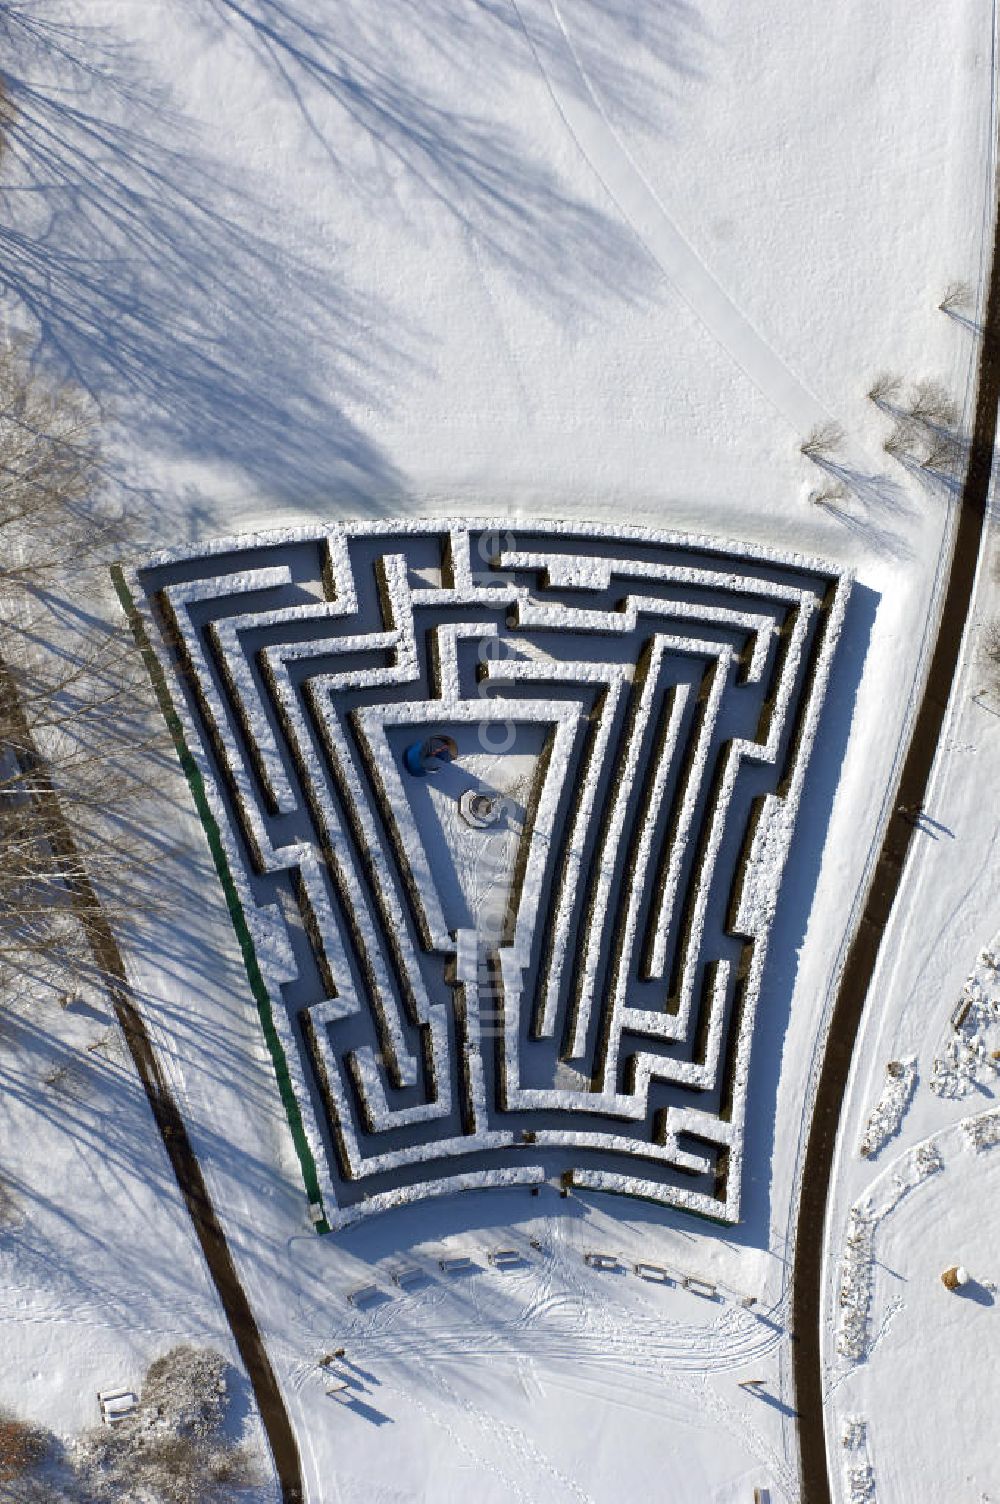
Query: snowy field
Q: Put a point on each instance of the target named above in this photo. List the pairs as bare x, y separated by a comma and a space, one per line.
523, 259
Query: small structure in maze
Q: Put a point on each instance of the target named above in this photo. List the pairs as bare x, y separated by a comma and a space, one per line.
544, 960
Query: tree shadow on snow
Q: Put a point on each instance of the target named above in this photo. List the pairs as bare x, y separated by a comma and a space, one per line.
381, 72
874, 507
164, 286
176, 290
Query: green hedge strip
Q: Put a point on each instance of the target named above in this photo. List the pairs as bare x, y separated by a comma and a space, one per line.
261, 996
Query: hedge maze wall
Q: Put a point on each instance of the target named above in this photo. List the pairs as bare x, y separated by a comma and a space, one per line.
569, 988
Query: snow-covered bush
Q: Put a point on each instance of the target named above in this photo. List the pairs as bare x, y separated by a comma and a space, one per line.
991, 651
910, 1172
150, 1467
970, 1055
890, 1109
982, 1132
30, 1489
855, 1432
22, 1447
855, 1290
186, 1390
173, 1450
860, 1481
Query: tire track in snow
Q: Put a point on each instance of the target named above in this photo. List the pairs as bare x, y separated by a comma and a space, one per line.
641, 207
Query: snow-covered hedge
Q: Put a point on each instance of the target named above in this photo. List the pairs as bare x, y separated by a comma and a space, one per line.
855, 1284
364, 884
982, 1132
888, 1113
970, 1055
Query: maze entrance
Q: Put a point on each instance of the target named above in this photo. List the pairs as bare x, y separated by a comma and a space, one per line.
504, 813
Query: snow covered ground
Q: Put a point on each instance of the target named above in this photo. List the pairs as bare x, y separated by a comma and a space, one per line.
918, 1373
545, 258
100, 1271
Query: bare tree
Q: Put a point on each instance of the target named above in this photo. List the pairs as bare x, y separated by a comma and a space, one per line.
931, 403
50, 475
904, 440
926, 431
884, 390
830, 495
942, 453
822, 440
957, 297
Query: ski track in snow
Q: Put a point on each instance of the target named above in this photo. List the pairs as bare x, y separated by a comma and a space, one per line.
637, 201
514, 1442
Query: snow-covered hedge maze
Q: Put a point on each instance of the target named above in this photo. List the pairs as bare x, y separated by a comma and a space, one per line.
568, 988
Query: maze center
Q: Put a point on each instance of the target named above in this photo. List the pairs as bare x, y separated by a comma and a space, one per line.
473, 854
506, 817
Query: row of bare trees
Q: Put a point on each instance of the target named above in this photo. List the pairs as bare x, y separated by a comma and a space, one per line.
925, 430
927, 434
926, 427
69, 687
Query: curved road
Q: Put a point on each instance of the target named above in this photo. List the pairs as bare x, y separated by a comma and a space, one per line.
807, 1270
